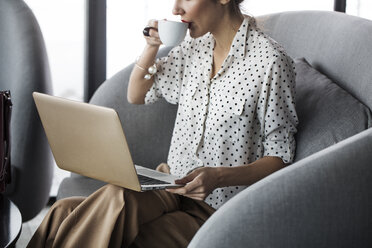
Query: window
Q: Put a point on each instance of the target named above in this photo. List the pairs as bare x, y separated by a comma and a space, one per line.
126, 19
259, 7
361, 8
62, 25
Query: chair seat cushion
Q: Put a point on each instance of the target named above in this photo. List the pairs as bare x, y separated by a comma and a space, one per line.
78, 186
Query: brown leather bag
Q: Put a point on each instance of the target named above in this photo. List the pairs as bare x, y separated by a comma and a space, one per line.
5, 114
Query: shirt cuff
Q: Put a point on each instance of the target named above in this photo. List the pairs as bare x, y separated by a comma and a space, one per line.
151, 95
284, 149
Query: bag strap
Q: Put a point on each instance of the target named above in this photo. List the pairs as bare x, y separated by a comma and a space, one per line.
7, 114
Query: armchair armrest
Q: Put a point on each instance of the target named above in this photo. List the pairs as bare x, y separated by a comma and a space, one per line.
323, 200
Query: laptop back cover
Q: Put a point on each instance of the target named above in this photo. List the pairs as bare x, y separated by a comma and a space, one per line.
87, 139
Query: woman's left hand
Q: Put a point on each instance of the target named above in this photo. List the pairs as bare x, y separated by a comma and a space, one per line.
198, 184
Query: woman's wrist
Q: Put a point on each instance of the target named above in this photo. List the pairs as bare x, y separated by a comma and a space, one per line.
220, 176
148, 56
151, 50
150, 72
152, 47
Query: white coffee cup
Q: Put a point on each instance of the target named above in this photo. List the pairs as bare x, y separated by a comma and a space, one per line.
172, 33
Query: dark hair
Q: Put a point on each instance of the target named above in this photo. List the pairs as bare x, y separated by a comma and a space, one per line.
235, 6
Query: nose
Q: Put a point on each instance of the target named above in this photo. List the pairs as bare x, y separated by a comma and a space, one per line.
177, 9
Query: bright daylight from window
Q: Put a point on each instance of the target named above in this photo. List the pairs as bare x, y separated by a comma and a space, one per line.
62, 24
126, 19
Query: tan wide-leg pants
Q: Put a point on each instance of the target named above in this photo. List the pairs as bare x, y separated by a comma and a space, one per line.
115, 217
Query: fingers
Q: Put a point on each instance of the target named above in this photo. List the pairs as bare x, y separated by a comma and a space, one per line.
179, 191
188, 178
199, 184
198, 197
163, 167
150, 32
153, 41
152, 23
193, 195
152, 26
192, 187
146, 31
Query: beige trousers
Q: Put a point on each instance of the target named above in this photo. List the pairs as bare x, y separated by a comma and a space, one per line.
115, 217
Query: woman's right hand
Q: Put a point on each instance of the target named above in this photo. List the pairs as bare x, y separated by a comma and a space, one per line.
138, 84
153, 39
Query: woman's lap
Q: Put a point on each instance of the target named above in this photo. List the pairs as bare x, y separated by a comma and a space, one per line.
174, 229
113, 216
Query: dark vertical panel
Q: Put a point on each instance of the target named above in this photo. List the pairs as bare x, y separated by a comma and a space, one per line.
95, 46
340, 6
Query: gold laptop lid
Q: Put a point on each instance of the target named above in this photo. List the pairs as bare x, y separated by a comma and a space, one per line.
87, 139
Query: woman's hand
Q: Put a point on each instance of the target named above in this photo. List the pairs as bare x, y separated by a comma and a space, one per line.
199, 183
139, 85
153, 38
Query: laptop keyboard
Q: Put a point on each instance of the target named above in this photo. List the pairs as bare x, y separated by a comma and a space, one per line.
144, 180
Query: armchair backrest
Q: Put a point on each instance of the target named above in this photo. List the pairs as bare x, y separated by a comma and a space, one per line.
24, 68
339, 47
336, 44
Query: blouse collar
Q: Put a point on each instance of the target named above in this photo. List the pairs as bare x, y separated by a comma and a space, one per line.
238, 46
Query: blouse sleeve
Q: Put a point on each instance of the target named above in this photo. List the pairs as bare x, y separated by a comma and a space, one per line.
168, 79
278, 116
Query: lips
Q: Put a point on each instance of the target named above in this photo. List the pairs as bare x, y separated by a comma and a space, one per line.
189, 23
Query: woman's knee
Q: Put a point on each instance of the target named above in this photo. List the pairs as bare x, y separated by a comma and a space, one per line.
111, 187
110, 190
70, 201
66, 205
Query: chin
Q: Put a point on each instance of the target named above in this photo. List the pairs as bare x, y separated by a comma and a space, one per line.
195, 35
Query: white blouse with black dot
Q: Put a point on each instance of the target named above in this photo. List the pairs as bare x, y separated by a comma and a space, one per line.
246, 111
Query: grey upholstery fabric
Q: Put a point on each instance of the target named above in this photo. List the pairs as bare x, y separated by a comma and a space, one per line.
24, 69
78, 186
336, 44
323, 200
327, 113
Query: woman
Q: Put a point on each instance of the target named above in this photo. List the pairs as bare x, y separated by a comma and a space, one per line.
235, 125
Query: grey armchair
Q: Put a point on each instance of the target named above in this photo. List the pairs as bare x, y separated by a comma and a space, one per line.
324, 198
24, 68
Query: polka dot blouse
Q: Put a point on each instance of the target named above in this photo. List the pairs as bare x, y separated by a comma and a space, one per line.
246, 111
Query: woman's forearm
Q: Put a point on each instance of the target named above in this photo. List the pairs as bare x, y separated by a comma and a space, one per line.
138, 85
248, 174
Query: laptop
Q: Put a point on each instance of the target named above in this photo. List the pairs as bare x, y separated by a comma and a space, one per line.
89, 140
